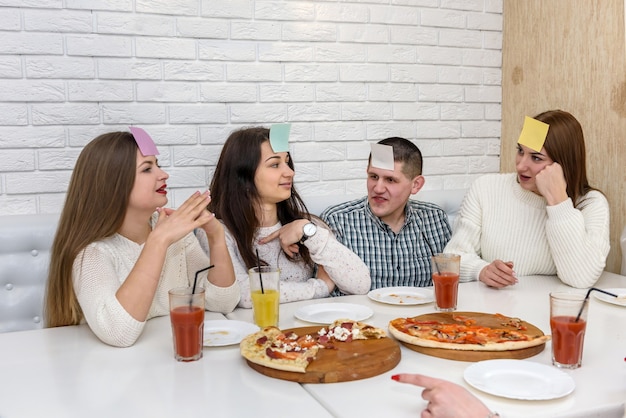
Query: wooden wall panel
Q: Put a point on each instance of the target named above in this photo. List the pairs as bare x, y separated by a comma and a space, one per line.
570, 55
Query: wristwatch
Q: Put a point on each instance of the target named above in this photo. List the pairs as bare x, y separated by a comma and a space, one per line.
308, 231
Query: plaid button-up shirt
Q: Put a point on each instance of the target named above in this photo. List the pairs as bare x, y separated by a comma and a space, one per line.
401, 259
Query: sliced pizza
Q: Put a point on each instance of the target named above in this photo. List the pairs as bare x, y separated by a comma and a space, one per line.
273, 348
462, 332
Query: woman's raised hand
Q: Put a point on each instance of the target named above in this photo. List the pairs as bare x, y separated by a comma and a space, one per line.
289, 236
551, 184
173, 225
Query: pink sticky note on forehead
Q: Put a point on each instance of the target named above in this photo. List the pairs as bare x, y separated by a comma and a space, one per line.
144, 142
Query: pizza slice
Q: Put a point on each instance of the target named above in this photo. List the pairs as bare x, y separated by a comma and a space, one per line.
270, 347
347, 330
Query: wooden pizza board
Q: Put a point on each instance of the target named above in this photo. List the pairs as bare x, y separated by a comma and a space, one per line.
481, 318
355, 360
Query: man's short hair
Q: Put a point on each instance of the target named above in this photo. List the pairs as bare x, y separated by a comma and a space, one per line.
404, 151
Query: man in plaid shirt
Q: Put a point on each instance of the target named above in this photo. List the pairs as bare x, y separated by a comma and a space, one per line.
394, 235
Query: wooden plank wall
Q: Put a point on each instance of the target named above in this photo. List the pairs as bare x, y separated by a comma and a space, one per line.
571, 55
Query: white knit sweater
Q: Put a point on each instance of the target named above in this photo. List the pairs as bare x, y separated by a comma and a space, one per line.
101, 268
297, 282
500, 220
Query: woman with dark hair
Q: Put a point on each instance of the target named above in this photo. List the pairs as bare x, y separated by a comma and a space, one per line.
545, 219
254, 196
117, 250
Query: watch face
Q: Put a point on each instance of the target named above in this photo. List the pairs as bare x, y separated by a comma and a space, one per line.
310, 229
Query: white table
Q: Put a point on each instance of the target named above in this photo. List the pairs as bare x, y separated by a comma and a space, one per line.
600, 382
68, 372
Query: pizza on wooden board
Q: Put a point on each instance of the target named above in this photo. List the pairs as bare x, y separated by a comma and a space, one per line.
467, 331
272, 348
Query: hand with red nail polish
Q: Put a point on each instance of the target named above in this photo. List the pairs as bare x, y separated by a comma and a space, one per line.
446, 399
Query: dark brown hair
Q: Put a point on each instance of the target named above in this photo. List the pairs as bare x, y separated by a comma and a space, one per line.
235, 198
406, 152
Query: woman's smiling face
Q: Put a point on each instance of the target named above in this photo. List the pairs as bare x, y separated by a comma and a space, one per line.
528, 164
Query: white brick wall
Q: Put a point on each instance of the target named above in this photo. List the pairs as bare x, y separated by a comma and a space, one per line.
345, 73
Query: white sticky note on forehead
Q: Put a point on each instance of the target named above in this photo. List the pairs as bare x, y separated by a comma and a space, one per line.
144, 141
279, 137
382, 156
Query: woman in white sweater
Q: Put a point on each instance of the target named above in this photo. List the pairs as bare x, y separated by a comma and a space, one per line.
254, 196
114, 259
545, 219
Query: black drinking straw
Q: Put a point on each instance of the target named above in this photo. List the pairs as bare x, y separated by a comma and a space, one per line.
587, 298
258, 265
195, 280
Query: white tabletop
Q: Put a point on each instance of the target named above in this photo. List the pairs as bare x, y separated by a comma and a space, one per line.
600, 382
68, 372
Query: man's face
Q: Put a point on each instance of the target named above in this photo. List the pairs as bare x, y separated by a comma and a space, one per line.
389, 190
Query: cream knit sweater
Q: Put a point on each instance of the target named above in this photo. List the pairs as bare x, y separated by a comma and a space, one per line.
500, 220
101, 268
297, 280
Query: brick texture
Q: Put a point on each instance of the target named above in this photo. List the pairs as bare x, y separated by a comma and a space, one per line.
344, 74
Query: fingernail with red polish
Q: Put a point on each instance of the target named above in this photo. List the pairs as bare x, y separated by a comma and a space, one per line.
395, 377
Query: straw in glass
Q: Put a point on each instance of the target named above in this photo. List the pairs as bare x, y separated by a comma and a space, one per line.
258, 264
587, 298
195, 281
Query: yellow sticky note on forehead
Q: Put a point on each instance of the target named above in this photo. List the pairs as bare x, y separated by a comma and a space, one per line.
533, 134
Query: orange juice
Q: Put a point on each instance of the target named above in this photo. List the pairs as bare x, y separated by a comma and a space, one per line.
265, 307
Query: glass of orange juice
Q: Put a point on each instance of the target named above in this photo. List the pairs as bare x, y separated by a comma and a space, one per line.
265, 293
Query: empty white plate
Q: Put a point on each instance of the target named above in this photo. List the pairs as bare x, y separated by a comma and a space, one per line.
326, 313
221, 332
402, 295
519, 379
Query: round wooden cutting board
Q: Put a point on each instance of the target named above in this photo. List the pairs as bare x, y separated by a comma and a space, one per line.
481, 318
353, 360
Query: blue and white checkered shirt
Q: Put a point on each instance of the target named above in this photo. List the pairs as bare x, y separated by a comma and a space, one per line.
401, 259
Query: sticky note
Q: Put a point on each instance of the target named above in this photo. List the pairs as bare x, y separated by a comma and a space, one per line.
279, 137
144, 142
533, 134
382, 156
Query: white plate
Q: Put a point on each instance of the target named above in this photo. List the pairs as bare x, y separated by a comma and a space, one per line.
619, 300
519, 379
326, 313
219, 332
402, 295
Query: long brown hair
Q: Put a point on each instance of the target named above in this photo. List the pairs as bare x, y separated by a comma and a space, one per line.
565, 144
95, 206
234, 197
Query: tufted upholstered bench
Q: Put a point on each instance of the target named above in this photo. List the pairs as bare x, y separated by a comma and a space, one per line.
25, 242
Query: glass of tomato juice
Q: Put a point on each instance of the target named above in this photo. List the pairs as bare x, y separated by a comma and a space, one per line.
445, 274
568, 328
265, 294
187, 317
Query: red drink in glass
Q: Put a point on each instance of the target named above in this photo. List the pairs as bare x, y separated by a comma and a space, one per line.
187, 317
188, 329
446, 290
567, 341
